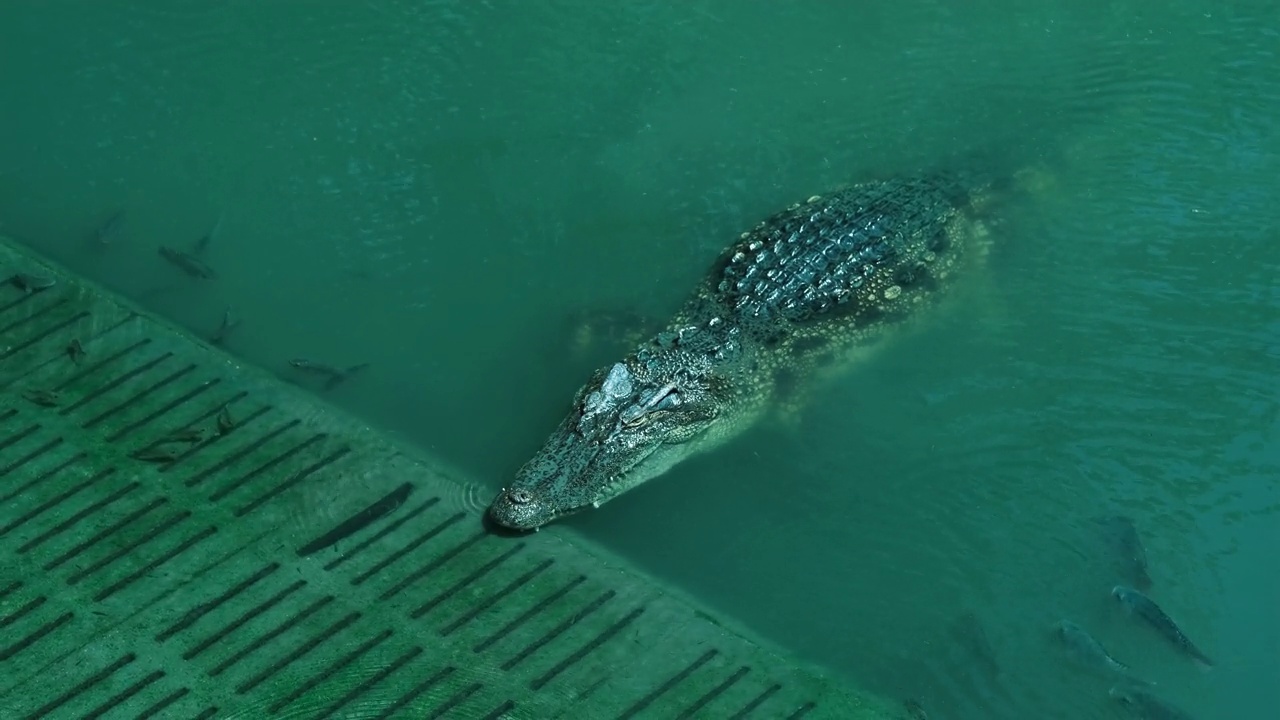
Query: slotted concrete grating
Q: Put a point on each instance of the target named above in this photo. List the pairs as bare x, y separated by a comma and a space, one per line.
185, 537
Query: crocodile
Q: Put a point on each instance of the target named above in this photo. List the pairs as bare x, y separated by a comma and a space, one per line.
792, 299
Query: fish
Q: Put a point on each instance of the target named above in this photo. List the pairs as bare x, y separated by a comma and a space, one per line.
226, 422
1143, 704
76, 351
107, 232
334, 376
915, 710
32, 283
183, 435
1129, 553
969, 632
43, 398
229, 323
1086, 650
1146, 608
188, 263
202, 243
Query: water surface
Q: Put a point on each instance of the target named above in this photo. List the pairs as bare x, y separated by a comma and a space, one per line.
435, 187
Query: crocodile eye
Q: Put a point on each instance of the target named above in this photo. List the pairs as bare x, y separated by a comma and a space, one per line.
669, 401
634, 416
520, 497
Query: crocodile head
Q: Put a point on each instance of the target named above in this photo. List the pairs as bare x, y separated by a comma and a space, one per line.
630, 422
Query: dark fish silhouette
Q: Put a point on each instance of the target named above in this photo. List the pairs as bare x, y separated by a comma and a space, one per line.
333, 375
1086, 650
203, 243
188, 263
969, 632
1146, 608
229, 323
1128, 551
1143, 704
109, 230
31, 283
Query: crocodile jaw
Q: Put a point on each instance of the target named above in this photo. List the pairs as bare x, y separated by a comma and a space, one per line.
519, 508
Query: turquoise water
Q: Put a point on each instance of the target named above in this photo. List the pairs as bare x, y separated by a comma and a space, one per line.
434, 188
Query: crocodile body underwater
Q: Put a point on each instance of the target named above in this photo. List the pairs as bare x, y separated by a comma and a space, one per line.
800, 293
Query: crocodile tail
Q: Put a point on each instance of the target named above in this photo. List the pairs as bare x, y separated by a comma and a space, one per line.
987, 178
985, 168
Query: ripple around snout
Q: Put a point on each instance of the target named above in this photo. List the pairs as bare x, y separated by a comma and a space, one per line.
465, 496
474, 500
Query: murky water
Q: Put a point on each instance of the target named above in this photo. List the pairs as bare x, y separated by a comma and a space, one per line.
434, 187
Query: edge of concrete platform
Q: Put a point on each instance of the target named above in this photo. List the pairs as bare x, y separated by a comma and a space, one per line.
318, 411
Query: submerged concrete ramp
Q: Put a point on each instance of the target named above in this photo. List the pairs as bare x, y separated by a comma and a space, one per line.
185, 537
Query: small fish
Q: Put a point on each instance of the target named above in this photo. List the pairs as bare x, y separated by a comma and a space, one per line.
32, 283
915, 710
43, 398
1130, 555
187, 263
1143, 704
183, 435
1146, 608
226, 422
157, 454
107, 232
968, 630
334, 375
203, 243
76, 351
229, 323
1086, 650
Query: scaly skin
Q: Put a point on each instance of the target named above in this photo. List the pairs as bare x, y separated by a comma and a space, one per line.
802, 291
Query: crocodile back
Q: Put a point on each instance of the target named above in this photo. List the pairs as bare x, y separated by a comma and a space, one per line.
863, 248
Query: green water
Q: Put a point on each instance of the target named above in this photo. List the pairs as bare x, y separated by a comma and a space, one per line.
434, 188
